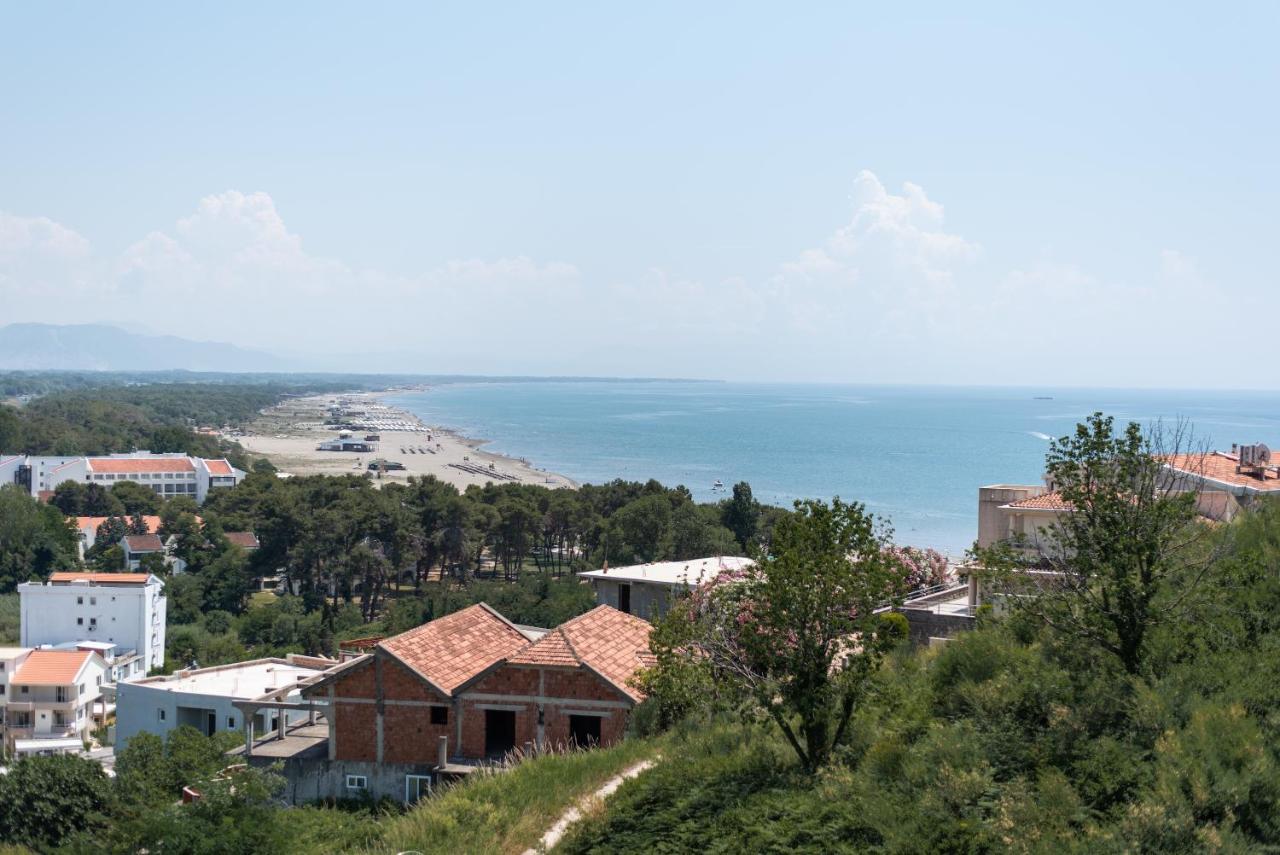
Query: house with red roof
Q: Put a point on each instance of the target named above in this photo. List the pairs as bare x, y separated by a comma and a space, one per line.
50, 699
467, 688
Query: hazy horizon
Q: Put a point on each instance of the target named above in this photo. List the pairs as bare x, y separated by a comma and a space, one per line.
979, 197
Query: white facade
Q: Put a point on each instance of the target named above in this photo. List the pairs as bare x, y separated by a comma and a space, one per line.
204, 698
647, 590
51, 698
167, 475
124, 609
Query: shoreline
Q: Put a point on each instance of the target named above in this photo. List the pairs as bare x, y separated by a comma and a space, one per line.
288, 434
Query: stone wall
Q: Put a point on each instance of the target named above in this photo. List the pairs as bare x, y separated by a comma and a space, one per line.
927, 624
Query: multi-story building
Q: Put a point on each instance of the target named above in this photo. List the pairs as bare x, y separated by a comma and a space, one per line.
123, 609
50, 699
168, 475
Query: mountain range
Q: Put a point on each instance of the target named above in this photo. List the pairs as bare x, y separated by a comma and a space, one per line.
97, 347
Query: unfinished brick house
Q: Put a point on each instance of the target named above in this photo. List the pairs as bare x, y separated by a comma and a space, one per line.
485, 685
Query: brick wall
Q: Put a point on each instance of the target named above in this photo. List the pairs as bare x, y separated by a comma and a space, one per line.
408, 736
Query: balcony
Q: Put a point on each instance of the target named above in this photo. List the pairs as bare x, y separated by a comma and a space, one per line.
68, 707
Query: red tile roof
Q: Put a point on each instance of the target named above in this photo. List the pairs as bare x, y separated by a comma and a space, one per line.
51, 667
144, 543
242, 539
101, 578
1044, 502
611, 643
451, 650
130, 465
218, 467
92, 523
1220, 466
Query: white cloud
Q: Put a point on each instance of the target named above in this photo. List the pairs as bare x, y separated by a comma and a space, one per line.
889, 295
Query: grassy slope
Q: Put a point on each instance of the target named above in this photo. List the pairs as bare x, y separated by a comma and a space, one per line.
510, 811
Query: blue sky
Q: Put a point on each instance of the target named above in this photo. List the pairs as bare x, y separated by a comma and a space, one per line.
897, 193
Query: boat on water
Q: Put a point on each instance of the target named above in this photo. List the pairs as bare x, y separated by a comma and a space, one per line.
718, 485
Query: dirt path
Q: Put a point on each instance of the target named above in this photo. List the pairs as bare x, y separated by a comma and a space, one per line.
573, 814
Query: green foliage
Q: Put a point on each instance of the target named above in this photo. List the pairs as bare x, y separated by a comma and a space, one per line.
44, 800
10, 619
35, 539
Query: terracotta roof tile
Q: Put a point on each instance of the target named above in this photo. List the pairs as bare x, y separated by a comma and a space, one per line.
242, 539
613, 644
1044, 502
51, 667
1220, 466
453, 649
102, 578
92, 523
218, 467
129, 465
144, 543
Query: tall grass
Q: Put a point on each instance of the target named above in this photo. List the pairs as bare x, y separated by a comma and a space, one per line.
509, 811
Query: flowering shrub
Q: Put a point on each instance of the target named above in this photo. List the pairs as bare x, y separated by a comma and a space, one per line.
921, 568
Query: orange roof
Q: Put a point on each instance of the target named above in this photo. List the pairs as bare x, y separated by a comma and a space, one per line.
1044, 502
128, 465
144, 543
92, 523
101, 578
51, 667
218, 467
611, 643
453, 649
1221, 467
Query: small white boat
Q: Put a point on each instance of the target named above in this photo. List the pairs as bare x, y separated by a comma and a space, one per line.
718, 485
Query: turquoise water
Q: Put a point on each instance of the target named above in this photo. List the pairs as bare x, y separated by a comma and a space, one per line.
914, 455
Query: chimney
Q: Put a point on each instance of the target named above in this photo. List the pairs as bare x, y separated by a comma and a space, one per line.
443, 750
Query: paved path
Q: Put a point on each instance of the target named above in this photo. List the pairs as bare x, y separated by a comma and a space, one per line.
573, 814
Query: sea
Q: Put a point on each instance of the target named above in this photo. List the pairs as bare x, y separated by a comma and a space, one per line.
915, 456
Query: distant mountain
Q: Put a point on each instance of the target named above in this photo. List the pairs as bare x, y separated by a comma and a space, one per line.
95, 347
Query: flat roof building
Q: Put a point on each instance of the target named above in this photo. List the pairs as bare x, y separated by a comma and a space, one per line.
126, 610
204, 698
647, 590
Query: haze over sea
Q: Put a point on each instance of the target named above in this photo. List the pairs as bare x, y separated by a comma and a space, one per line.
915, 455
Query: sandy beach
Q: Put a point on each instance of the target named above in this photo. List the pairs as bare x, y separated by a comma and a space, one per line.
289, 433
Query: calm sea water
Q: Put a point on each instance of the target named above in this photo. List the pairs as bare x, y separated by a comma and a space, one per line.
914, 455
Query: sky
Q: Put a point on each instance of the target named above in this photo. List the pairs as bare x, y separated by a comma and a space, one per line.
981, 193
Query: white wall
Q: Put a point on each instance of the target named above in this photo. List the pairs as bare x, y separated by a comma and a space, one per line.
152, 708
648, 601
129, 616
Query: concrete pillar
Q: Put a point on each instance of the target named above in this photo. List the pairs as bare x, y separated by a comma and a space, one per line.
248, 730
282, 721
528, 750
311, 716
442, 751
973, 590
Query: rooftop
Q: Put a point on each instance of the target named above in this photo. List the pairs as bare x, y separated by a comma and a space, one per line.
687, 573
130, 465
611, 643
218, 467
451, 650
51, 667
1220, 466
241, 680
13, 652
1044, 502
109, 579
242, 539
92, 523
143, 543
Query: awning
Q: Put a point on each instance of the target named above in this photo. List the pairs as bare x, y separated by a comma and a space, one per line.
70, 743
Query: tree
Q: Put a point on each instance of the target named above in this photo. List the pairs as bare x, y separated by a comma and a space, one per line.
43, 800
741, 514
1129, 530
797, 634
136, 498
85, 500
35, 539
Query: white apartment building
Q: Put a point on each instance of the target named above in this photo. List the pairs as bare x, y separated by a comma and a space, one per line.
50, 698
647, 590
168, 475
126, 610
